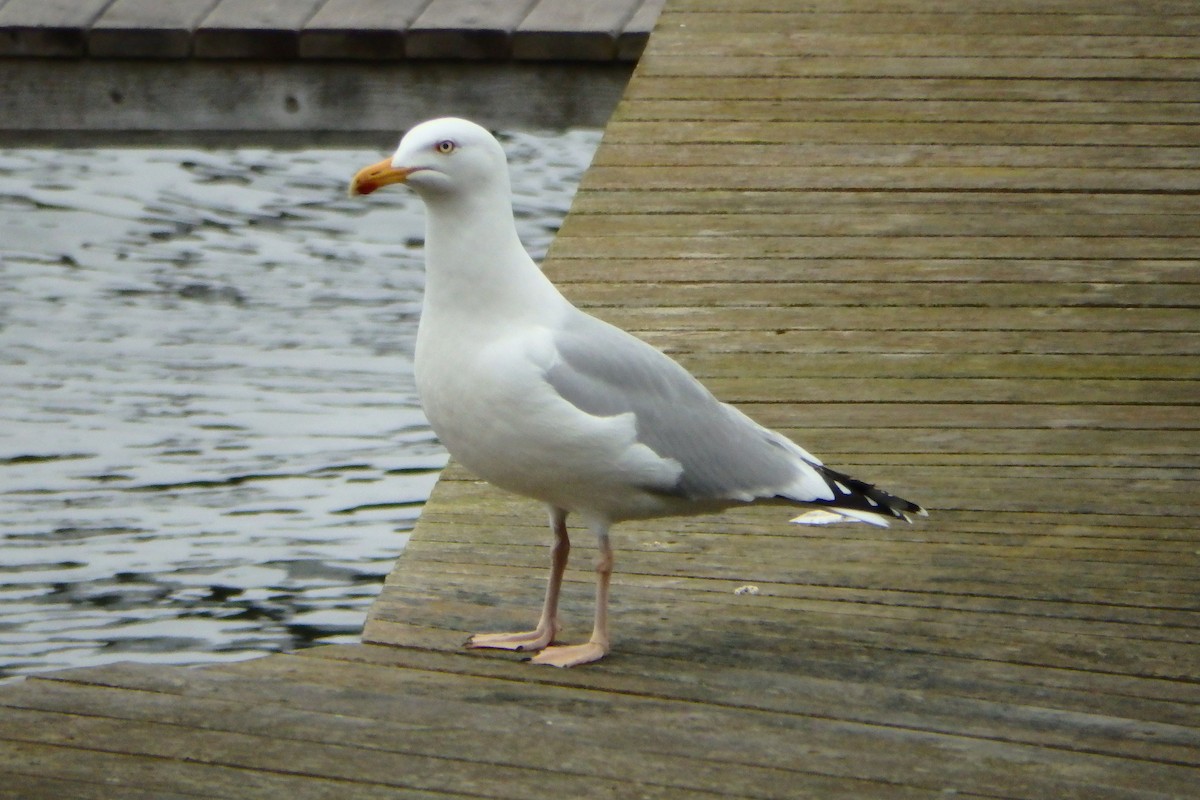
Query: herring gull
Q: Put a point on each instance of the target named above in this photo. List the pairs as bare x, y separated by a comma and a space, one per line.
541, 399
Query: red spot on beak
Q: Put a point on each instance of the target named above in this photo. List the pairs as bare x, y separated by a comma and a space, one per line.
368, 179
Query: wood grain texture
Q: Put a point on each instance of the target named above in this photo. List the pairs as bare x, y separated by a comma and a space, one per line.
961, 261
951, 249
359, 29
470, 29
254, 29
632, 41
147, 28
562, 29
602, 31
47, 27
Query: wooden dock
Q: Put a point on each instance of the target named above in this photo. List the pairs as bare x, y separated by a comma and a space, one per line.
953, 247
302, 72
526, 30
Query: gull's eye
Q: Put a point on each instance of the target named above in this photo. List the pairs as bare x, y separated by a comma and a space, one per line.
445, 147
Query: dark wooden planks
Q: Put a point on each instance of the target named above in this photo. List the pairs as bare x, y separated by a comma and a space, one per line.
359, 29
283, 30
562, 29
632, 41
978, 20
254, 29
47, 27
660, 737
974, 179
473, 29
406, 703
147, 28
964, 87
902, 132
805, 743
1140, 12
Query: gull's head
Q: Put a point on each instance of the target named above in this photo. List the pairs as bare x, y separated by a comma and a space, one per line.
440, 157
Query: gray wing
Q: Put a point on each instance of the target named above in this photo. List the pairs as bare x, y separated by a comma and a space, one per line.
724, 455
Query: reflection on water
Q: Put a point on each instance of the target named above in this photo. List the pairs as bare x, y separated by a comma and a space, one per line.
210, 444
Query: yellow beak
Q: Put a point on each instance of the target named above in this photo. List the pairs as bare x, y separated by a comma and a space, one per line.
368, 179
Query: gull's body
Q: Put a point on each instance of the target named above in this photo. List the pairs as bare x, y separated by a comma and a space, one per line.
541, 399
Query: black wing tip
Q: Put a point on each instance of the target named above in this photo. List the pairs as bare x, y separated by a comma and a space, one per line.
856, 495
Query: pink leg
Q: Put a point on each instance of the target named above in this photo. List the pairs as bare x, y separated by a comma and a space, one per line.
548, 626
596, 647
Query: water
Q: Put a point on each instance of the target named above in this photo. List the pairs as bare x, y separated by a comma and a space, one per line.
210, 444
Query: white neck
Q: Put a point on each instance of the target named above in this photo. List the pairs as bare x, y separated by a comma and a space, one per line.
476, 267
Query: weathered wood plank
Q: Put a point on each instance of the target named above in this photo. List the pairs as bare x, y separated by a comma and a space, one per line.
780, 42
154, 776
894, 155
664, 550
1045, 133
819, 692
853, 562
1137, 12
467, 29
1007, 603
387, 692
47, 27
644, 553
976, 415
147, 28
990, 365
466, 489
816, 292
417, 724
563, 29
972, 179
761, 736
721, 643
886, 67
890, 92
874, 269
1022, 684
253, 29
926, 203
355, 29
1144, 545
908, 276
887, 222
917, 19
1020, 445
1177, 112
821, 322
817, 247
17, 785
755, 688
901, 341
359, 29
332, 764
632, 41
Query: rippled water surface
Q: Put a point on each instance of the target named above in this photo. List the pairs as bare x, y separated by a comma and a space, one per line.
210, 445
